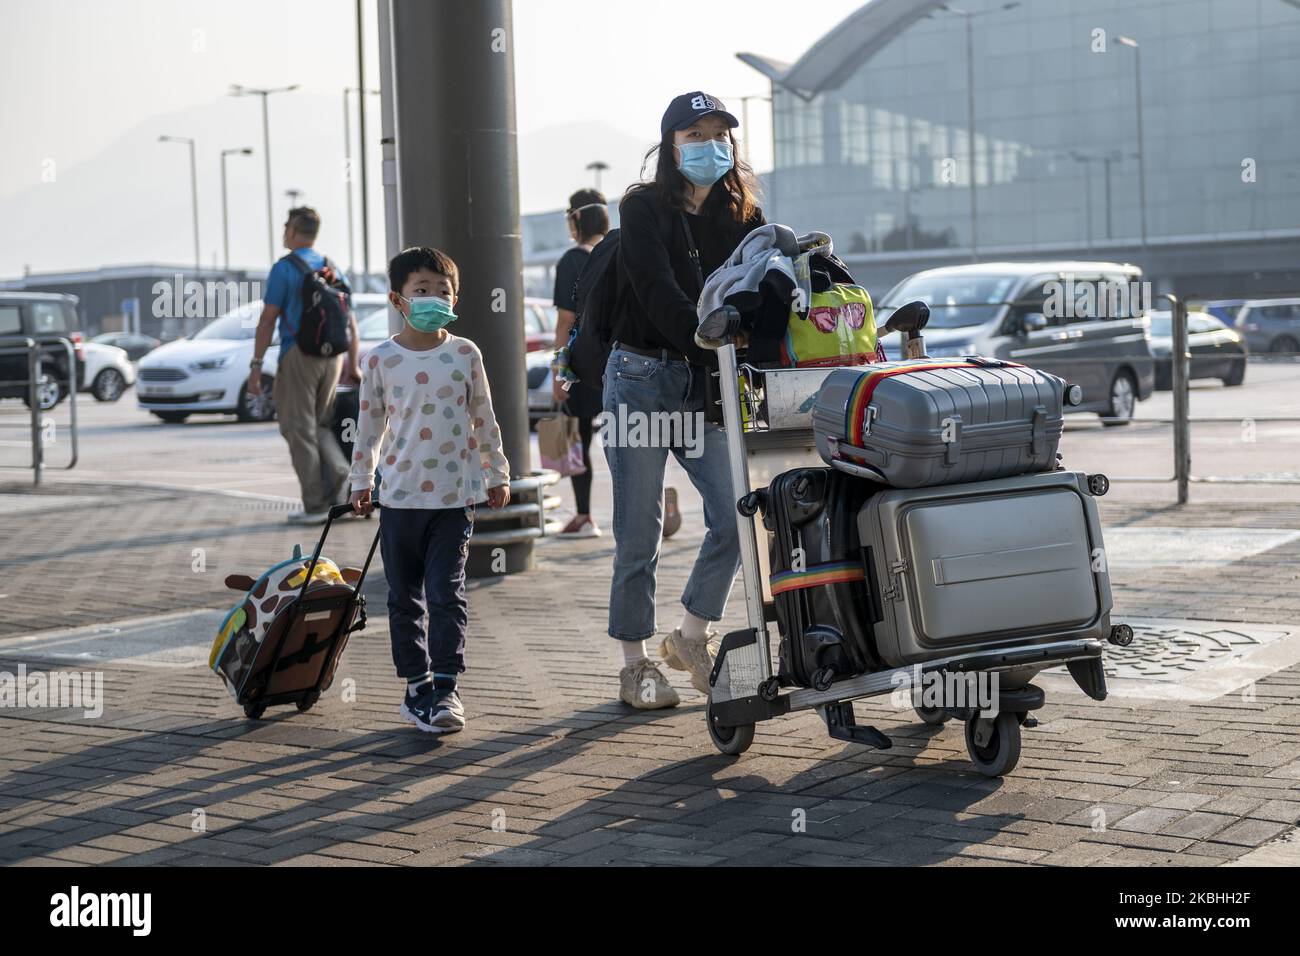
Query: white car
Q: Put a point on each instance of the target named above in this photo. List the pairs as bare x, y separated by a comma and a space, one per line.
109, 372
206, 373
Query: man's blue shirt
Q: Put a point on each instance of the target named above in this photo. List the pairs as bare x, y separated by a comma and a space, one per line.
284, 289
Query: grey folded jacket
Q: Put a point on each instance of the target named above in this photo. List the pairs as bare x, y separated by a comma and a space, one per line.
767, 249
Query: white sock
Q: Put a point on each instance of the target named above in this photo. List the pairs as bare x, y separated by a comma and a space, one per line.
693, 628
634, 652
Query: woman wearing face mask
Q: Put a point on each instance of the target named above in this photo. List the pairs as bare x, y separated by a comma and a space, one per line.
675, 230
588, 219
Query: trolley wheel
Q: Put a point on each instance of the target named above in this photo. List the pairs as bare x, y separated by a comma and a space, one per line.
822, 678
254, 711
1000, 751
934, 716
731, 741
307, 703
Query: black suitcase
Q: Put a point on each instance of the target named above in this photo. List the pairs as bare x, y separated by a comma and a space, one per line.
818, 577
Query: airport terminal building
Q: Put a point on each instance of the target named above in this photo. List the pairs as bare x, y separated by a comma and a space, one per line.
872, 130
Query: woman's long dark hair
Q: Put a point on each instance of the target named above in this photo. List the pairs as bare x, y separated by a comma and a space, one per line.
735, 192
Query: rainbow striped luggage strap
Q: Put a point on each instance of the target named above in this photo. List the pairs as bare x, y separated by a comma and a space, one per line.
832, 572
855, 414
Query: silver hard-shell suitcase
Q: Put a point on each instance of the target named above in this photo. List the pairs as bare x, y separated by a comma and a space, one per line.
967, 567
941, 422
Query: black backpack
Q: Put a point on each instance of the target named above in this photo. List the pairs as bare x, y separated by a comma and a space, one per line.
599, 294
325, 327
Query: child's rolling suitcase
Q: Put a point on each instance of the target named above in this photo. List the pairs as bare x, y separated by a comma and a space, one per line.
966, 567
282, 642
919, 423
817, 578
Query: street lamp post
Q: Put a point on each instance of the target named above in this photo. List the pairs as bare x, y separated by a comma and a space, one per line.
597, 167
347, 179
968, 16
1142, 166
238, 90
225, 214
194, 195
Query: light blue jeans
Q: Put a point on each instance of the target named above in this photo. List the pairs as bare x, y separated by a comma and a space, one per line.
637, 386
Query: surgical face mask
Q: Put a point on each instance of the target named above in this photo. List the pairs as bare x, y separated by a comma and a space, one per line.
429, 313
705, 163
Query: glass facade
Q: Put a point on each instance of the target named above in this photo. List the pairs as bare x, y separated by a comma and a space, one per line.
883, 161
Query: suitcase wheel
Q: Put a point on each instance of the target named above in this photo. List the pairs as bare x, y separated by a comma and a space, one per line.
731, 741
307, 703
994, 745
934, 716
254, 711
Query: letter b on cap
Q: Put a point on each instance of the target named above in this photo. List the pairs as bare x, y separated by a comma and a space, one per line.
702, 102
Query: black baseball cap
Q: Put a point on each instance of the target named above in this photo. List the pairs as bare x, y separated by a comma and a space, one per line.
687, 108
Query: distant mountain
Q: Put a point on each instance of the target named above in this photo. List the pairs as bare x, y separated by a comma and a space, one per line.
130, 202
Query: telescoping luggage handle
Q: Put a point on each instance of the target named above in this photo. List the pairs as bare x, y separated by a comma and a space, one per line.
338, 511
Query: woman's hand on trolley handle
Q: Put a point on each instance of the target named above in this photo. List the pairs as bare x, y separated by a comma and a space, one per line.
361, 502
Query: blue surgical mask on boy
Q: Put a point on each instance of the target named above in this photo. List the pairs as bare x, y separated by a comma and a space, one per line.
705, 163
429, 313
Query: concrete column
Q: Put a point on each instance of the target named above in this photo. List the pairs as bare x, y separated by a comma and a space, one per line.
458, 189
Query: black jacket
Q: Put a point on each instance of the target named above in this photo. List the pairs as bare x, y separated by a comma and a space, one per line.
658, 309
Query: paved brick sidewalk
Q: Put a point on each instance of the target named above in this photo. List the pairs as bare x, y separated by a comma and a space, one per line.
552, 770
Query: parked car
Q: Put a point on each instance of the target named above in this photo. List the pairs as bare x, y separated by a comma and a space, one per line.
1217, 351
541, 403
539, 325
1270, 325
109, 372
1001, 310
207, 372
1225, 310
45, 317
135, 345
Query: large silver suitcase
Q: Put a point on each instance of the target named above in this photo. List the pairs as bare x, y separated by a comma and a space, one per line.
940, 422
1011, 561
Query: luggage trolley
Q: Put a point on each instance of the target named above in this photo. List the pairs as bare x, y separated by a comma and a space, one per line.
766, 416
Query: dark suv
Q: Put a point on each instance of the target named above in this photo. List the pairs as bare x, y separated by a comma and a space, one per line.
46, 318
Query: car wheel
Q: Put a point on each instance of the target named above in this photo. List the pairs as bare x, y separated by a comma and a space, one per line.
173, 418
1123, 400
256, 408
1283, 345
1238, 374
48, 391
108, 385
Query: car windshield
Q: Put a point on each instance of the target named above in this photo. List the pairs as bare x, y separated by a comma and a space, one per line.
372, 323
237, 325
955, 301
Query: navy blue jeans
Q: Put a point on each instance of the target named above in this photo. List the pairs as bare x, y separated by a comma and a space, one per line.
424, 552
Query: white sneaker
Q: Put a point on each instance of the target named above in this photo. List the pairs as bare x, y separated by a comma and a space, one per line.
694, 656
308, 517
643, 685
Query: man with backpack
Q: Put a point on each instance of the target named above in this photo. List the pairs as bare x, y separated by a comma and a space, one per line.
313, 304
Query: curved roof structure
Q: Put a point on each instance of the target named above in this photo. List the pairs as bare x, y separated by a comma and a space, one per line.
833, 58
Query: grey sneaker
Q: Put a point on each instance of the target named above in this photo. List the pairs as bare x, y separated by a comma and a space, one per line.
696, 656
644, 686
448, 713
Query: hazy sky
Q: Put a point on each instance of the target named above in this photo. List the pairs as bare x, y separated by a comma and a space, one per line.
77, 76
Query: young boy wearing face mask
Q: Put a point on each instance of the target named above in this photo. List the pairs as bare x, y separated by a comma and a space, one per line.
426, 411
